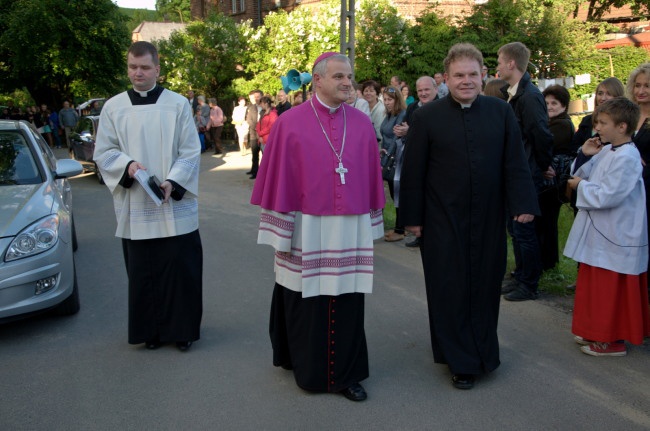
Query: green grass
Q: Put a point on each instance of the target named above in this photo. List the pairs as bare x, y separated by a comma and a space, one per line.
554, 281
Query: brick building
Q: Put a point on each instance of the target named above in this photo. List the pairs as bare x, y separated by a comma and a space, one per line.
255, 10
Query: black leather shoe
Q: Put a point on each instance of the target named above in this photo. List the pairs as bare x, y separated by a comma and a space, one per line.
463, 381
508, 286
152, 344
522, 293
249, 172
355, 392
414, 243
287, 367
252, 177
183, 346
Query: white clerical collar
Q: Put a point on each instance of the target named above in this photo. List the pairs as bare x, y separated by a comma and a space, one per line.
465, 105
144, 93
332, 110
512, 91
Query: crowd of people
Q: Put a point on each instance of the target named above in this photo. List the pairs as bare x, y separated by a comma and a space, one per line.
52, 125
515, 159
463, 168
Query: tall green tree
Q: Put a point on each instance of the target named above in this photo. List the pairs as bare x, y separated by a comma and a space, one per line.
431, 38
554, 40
383, 45
57, 49
174, 10
596, 9
287, 41
204, 57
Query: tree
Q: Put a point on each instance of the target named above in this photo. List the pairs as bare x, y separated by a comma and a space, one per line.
431, 38
55, 49
618, 62
555, 41
174, 10
203, 57
198, 9
597, 9
383, 45
287, 41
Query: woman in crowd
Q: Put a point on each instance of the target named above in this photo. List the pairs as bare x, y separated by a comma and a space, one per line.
638, 91
371, 90
267, 118
406, 95
608, 89
550, 200
493, 88
200, 123
239, 121
215, 124
297, 98
391, 153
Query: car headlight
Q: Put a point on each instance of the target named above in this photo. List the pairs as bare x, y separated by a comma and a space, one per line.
36, 238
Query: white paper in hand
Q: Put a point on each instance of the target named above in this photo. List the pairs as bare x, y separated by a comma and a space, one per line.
143, 178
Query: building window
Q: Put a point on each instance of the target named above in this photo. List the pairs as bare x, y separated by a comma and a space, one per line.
238, 6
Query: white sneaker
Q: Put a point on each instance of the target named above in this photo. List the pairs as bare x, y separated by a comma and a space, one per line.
578, 339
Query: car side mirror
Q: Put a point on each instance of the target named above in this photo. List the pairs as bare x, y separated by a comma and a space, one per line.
66, 168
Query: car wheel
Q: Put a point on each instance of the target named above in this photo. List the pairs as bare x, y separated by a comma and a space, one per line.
70, 305
100, 178
75, 244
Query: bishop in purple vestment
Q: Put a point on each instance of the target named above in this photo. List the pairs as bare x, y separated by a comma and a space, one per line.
321, 194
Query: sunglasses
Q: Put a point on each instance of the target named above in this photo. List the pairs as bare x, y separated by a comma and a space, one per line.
390, 90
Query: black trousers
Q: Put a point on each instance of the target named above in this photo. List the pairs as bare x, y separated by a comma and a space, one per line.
321, 337
165, 290
255, 150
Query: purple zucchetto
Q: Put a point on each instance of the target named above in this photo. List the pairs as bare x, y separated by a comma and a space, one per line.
324, 56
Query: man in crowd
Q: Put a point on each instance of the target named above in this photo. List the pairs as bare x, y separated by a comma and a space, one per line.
442, 87
282, 104
252, 116
456, 182
68, 119
427, 91
357, 101
151, 129
194, 102
321, 194
530, 109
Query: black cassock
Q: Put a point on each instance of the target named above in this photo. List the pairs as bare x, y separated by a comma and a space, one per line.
165, 288
462, 168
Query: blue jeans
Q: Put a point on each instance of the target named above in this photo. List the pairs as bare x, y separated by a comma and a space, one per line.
528, 258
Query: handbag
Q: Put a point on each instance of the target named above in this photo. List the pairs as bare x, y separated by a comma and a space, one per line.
387, 166
561, 164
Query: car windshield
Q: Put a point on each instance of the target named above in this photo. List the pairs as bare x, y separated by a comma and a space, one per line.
17, 164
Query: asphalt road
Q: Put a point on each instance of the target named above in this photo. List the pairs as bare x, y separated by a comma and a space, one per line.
79, 373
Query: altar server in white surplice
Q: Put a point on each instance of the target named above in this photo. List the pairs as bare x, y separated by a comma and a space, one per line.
151, 128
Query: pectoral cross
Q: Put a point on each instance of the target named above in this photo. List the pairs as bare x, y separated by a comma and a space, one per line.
341, 171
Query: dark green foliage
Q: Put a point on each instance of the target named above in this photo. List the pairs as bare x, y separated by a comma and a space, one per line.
54, 48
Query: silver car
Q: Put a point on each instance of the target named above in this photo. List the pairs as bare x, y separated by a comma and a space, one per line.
37, 236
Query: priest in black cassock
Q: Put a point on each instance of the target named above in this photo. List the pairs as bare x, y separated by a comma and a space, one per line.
457, 182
